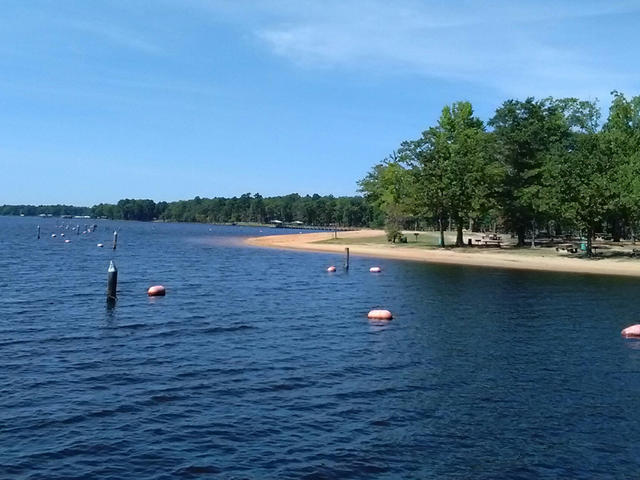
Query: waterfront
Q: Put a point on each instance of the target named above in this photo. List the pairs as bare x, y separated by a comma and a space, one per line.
259, 364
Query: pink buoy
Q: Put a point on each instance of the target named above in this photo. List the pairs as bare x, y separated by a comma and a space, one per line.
380, 315
375, 269
632, 331
156, 291
331, 269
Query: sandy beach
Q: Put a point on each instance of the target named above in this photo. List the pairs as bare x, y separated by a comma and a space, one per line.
545, 259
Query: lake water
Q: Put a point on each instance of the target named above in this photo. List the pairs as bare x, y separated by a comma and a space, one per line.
259, 364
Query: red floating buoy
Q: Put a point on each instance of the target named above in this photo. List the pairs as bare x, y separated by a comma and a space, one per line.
632, 331
375, 269
156, 291
331, 269
380, 315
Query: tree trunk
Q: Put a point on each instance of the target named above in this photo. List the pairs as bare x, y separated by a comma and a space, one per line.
459, 239
590, 235
633, 234
521, 233
616, 230
533, 234
441, 225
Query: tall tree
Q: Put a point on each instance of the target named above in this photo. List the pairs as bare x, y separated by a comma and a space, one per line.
621, 143
560, 165
575, 181
457, 175
391, 188
525, 132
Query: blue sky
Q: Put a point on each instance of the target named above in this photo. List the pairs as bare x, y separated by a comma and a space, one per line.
169, 99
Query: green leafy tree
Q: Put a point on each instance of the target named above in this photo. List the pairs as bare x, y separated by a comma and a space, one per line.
525, 132
456, 171
621, 145
391, 187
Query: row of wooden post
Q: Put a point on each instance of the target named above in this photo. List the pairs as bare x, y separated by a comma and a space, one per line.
112, 271
115, 235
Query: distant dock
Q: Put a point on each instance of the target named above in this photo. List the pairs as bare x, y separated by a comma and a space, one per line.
315, 227
301, 226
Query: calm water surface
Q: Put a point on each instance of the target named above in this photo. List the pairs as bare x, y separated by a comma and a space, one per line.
258, 364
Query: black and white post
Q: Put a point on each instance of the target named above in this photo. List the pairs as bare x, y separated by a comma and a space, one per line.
346, 262
112, 281
115, 239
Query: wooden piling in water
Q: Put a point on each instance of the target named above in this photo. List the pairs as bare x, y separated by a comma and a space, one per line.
38, 232
115, 239
346, 262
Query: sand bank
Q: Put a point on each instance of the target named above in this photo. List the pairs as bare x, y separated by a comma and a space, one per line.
545, 259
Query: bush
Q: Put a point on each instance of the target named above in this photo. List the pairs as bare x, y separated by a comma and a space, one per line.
393, 234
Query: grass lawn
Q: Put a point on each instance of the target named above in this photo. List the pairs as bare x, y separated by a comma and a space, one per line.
425, 239
429, 240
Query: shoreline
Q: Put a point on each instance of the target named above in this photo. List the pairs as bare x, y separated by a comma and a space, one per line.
542, 260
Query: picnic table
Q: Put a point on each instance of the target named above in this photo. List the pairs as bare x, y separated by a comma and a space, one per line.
567, 247
488, 243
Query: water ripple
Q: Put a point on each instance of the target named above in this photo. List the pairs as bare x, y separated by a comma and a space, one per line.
259, 365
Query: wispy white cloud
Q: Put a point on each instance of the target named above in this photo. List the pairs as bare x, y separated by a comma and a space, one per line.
116, 35
518, 48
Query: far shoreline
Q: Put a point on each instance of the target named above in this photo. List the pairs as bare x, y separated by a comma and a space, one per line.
541, 259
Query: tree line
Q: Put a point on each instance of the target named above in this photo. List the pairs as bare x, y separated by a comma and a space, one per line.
538, 165
53, 210
310, 209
